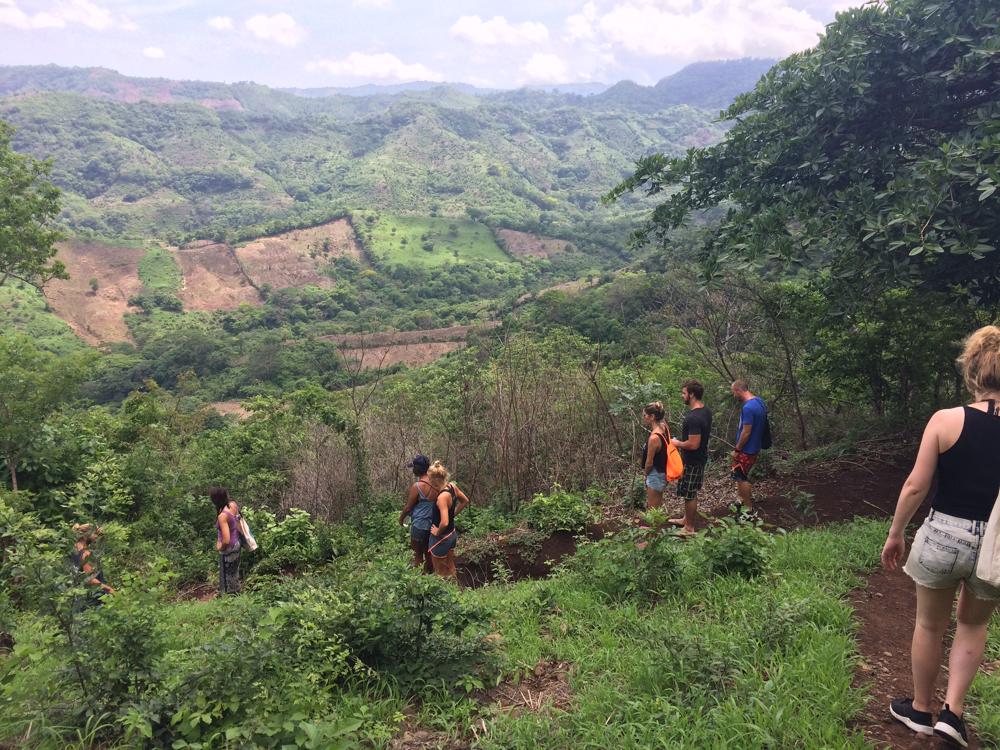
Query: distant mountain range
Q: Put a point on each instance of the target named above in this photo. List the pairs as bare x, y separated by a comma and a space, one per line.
149, 157
708, 85
372, 89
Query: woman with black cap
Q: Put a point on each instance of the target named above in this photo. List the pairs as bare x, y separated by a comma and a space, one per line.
420, 507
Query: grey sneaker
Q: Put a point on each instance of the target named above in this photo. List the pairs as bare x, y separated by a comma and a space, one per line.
951, 728
919, 721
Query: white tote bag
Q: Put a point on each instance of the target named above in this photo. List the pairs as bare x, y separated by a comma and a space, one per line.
988, 567
248, 539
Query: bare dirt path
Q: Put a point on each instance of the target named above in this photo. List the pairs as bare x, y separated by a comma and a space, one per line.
885, 606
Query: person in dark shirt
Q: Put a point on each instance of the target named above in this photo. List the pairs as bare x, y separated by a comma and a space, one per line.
749, 436
693, 445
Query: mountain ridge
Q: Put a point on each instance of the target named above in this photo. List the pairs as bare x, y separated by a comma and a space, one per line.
707, 85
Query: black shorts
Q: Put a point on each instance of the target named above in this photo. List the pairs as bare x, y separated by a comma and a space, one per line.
691, 481
420, 538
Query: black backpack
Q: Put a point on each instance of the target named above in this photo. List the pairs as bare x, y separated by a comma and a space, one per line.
765, 438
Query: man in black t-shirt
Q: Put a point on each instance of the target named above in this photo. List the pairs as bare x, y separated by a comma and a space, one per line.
693, 445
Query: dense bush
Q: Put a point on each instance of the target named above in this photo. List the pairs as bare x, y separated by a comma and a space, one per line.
558, 510
736, 546
630, 564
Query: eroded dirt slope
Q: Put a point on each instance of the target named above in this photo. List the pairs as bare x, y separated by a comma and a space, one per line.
96, 316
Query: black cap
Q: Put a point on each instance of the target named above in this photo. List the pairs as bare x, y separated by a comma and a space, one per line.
420, 464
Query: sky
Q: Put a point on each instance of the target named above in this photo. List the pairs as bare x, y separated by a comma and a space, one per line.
352, 42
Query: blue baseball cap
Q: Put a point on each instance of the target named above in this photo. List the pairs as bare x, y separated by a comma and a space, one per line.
420, 463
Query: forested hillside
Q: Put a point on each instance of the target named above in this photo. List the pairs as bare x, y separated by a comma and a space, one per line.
186, 160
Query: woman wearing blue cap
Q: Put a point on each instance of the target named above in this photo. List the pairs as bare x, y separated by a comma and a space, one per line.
419, 507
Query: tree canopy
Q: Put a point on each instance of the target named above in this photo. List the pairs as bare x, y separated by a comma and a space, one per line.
29, 204
874, 154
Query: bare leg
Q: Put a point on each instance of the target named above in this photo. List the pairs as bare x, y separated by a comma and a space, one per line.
419, 550
933, 616
967, 648
745, 492
654, 499
452, 568
690, 514
440, 566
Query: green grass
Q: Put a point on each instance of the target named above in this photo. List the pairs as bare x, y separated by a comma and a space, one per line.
984, 696
716, 661
720, 662
407, 240
158, 271
23, 309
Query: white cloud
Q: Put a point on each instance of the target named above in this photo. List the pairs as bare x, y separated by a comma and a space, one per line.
221, 23
59, 15
498, 30
153, 53
706, 29
380, 4
280, 28
581, 25
381, 66
544, 67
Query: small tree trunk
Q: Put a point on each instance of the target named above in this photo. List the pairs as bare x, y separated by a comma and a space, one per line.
12, 465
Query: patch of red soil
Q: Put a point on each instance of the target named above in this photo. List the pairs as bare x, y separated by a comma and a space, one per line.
545, 687
295, 259
230, 408
412, 736
508, 549
390, 338
96, 317
526, 245
838, 493
201, 592
411, 355
212, 279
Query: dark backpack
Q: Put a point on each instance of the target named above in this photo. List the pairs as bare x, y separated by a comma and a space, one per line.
765, 438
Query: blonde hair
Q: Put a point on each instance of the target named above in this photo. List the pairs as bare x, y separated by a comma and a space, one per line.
655, 409
86, 531
438, 474
980, 361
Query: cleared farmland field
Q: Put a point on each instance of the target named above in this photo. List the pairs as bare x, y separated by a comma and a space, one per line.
408, 240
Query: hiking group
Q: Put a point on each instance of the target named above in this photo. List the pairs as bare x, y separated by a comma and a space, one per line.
956, 549
668, 459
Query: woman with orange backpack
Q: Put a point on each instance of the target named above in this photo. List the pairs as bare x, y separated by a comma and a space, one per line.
661, 461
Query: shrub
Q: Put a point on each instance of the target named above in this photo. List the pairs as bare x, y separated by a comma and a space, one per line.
737, 546
618, 568
558, 511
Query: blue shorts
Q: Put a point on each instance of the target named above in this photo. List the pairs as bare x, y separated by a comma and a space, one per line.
656, 481
441, 546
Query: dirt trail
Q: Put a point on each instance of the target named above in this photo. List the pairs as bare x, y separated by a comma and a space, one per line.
885, 607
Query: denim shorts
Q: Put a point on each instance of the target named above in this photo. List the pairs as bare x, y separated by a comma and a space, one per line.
656, 481
441, 546
945, 551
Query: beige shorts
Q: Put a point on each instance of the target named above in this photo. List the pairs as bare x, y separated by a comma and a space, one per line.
945, 551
